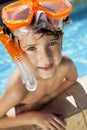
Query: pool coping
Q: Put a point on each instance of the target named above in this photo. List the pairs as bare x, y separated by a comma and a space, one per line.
83, 82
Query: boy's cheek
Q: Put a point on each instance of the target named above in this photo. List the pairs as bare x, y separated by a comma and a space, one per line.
32, 62
57, 60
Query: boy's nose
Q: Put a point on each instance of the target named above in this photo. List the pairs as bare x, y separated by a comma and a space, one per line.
44, 55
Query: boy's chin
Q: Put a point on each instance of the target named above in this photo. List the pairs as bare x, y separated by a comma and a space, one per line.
46, 76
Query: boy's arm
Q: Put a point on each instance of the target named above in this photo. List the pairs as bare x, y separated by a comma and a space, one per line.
70, 76
43, 120
13, 95
18, 120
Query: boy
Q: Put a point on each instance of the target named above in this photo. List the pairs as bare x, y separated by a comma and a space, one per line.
54, 74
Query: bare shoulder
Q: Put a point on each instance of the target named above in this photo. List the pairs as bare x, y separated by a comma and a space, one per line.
67, 62
69, 68
15, 88
14, 94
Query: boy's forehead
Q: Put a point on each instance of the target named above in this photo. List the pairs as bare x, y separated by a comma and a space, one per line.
36, 39
40, 36
25, 33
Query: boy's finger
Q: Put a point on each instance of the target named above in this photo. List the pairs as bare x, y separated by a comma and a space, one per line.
59, 122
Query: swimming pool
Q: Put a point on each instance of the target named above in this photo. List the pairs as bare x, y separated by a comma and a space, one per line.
75, 39
74, 45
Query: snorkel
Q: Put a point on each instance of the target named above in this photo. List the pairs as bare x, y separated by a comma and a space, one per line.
19, 57
12, 18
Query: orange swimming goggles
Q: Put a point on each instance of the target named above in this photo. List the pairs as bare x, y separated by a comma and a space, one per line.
21, 13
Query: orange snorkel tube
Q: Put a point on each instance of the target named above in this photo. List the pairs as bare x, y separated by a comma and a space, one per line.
19, 58
13, 50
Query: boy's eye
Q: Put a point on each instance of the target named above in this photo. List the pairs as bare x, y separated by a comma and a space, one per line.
31, 49
53, 43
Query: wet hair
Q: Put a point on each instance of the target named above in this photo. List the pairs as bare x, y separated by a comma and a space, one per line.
42, 31
49, 32
7, 31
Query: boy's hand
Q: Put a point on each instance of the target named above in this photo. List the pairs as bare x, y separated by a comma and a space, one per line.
48, 121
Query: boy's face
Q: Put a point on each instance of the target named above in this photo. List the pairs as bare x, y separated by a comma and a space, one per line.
44, 52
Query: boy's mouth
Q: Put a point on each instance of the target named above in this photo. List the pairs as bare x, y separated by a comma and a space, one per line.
47, 68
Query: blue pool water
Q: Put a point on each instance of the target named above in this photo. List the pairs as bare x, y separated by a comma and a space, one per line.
74, 45
75, 39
